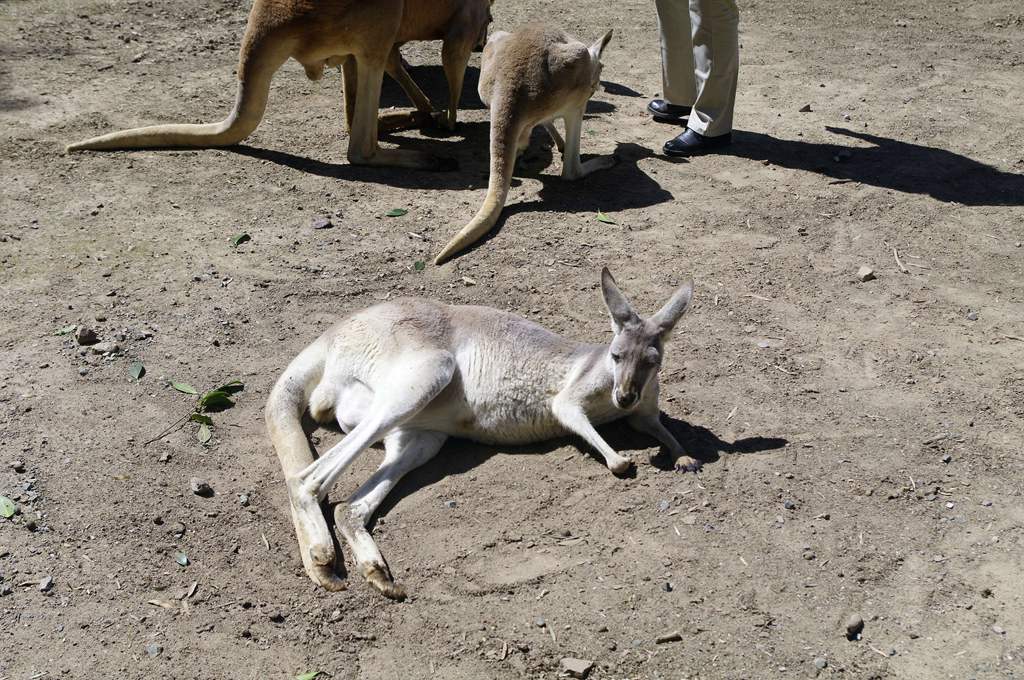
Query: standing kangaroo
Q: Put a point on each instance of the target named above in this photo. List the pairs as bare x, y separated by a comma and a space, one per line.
362, 38
530, 78
414, 372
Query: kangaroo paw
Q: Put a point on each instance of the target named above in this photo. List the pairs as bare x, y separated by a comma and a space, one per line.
380, 579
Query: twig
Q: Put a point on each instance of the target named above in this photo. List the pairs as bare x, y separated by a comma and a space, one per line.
913, 484
265, 541
782, 369
876, 650
757, 297
170, 428
1013, 337
919, 266
896, 256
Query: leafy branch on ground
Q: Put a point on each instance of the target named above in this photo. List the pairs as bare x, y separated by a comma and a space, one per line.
214, 401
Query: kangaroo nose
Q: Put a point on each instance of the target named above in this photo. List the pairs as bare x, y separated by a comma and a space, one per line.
627, 399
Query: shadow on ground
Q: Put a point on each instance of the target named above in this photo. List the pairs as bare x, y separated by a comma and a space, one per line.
890, 164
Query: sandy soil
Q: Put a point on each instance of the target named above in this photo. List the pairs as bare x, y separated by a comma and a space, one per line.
862, 441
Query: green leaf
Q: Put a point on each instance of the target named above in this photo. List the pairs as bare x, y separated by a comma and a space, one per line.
396, 212
419, 265
181, 558
231, 387
65, 330
200, 418
312, 675
601, 217
204, 435
239, 239
137, 370
184, 387
215, 400
7, 507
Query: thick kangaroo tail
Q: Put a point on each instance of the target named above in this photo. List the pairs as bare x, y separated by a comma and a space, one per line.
287, 403
505, 130
260, 57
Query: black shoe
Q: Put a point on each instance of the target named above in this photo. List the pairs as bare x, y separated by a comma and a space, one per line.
663, 112
689, 143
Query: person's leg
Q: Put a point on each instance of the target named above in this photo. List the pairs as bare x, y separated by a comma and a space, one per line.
716, 58
677, 71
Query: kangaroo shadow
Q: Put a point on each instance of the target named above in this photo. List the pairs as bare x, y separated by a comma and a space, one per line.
459, 456
431, 79
890, 164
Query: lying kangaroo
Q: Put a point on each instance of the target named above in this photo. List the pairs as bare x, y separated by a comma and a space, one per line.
530, 78
361, 37
414, 372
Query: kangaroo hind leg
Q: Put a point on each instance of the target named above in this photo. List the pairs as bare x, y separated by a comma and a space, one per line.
405, 450
572, 168
404, 390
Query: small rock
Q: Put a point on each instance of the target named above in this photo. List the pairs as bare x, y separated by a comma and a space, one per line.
987, 504
674, 636
178, 529
243, 499
139, 336
200, 487
19, 466
972, 315
83, 371
335, 616
663, 506
153, 650
789, 505
865, 273
667, 587
106, 348
540, 622
450, 504
854, 626
806, 108
31, 525
277, 616
577, 668
45, 584
86, 336
321, 222
820, 663
808, 555
998, 630
164, 457
947, 458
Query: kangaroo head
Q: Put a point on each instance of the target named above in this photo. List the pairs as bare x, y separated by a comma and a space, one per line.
635, 353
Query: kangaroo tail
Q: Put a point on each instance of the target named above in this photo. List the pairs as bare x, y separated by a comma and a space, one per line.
288, 401
261, 55
505, 130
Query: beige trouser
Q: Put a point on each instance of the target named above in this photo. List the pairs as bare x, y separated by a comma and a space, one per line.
700, 59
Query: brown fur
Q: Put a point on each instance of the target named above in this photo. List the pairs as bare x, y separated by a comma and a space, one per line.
361, 37
529, 78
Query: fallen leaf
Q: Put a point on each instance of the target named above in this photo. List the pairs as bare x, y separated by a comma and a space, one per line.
601, 217
215, 400
181, 558
166, 604
66, 330
396, 212
184, 387
239, 239
312, 675
231, 387
201, 419
204, 435
137, 370
419, 265
7, 507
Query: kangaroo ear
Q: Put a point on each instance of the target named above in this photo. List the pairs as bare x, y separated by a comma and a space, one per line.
677, 305
598, 47
618, 306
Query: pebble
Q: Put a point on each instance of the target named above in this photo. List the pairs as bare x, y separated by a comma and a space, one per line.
577, 668
663, 506
106, 348
277, 616
998, 630
809, 555
865, 273
86, 336
139, 336
820, 663
540, 622
321, 222
178, 529
243, 499
83, 371
947, 458
667, 587
19, 466
45, 584
854, 626
335, 616
200, 487
789, 505
674, 636
450, 504
806, 108
153, 650
987, 504
972, 316
164, 457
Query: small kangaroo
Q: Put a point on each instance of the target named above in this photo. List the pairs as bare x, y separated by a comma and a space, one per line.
530, 78
362, 38
413, 372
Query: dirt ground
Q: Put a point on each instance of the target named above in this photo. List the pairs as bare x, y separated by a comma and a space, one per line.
863, 440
